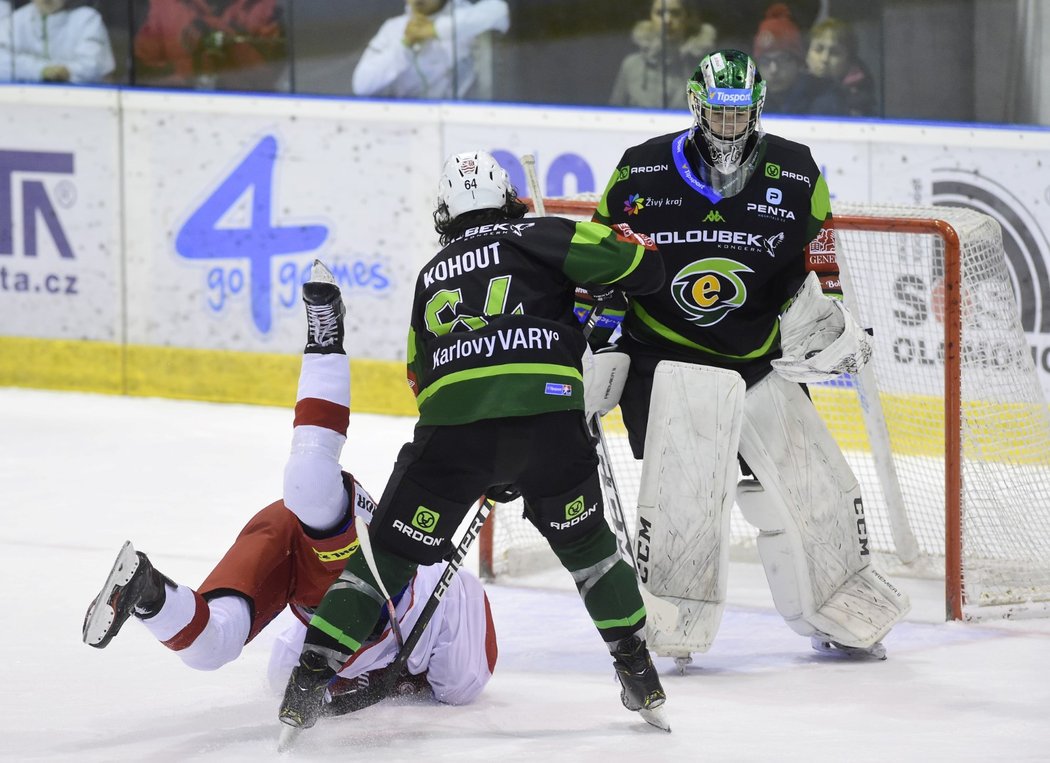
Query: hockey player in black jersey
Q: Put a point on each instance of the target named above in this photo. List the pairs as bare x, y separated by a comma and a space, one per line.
751, 301
494, 360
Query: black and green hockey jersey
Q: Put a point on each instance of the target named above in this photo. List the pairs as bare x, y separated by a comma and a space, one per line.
732, 263
493, 332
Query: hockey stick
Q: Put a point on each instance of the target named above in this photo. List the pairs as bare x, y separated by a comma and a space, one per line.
382, 689
370, 560
663, 613
532, 182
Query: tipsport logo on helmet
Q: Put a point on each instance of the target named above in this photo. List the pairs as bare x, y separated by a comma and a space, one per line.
708, 290
729, 97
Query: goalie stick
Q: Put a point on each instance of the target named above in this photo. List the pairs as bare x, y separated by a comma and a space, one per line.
382, 689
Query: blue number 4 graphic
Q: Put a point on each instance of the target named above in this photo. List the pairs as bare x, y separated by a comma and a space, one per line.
202, 238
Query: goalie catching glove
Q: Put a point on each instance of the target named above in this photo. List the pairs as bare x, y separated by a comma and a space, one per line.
819, 338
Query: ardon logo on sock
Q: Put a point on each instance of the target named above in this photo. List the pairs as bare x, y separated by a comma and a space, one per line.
425, 519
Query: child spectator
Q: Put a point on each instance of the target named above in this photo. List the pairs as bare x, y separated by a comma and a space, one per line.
790, 88
832, 56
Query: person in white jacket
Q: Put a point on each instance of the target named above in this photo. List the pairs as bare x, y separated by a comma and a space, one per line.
427, 51
47, 42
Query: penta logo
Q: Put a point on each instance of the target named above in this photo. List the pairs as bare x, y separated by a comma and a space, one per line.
36, 203
766, 210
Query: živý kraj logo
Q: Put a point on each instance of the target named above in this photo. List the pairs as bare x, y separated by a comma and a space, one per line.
634, 204
202, 238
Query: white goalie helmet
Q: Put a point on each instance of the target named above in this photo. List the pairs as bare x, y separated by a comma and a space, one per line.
470, 181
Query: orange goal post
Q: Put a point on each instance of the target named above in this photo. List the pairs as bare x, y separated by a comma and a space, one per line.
947, 428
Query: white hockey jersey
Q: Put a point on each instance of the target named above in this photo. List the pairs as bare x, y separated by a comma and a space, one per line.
457, 651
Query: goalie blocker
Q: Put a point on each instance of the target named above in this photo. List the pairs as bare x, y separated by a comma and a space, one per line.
805, 501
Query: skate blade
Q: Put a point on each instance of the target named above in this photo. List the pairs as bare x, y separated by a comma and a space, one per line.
100, 614
288, 736
823, 646
655, 717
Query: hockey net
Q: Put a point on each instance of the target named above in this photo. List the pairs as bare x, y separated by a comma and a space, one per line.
947, 429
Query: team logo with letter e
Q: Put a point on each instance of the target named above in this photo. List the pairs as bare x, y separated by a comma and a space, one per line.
708, 290
425, 519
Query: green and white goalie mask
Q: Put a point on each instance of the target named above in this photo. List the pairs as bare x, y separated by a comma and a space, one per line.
726, 94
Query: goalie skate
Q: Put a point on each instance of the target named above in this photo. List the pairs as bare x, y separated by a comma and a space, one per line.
824, 645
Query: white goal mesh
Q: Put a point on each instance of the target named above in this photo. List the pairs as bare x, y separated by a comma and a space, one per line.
963, 494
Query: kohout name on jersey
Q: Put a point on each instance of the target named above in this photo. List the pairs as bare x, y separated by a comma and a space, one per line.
475, 259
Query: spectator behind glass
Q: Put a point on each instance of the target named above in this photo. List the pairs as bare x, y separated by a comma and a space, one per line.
832, 55
412, 55
43, 41
211, 44
790, 88
642, 80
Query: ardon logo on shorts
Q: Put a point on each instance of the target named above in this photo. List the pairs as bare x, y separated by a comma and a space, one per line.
575, 508
425, 519
576, 511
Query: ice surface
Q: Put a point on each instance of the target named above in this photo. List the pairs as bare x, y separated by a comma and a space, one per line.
79, 474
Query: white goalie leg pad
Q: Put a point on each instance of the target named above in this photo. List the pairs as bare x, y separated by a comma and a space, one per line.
688, 479
807, 504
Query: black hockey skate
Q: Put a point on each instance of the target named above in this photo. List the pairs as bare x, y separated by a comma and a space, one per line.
304, 697
133, 587
324, 312
641, 689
